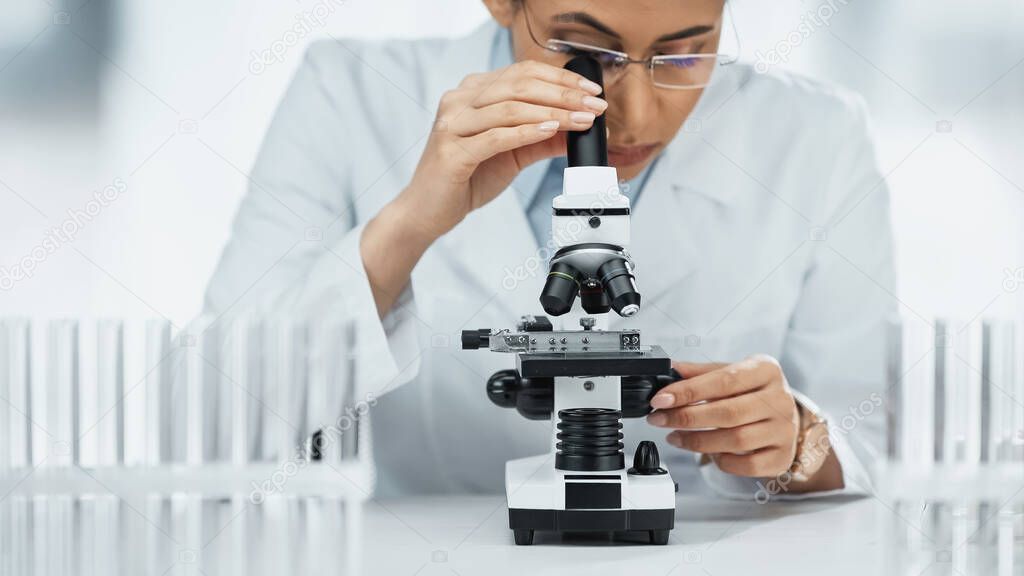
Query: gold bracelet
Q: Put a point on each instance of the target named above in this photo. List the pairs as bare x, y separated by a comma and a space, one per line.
812, 445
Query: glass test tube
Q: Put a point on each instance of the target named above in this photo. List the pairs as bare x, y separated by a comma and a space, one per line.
159, 388
236, 386
894, 392
109, 429
332, 378
284, 369
964, 398
16, 390
62, 392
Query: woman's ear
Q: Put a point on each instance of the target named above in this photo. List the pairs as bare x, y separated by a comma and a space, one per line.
503, 11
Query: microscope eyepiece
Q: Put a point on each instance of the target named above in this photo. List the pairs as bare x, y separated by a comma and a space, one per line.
620, 285
588, 147
560, 289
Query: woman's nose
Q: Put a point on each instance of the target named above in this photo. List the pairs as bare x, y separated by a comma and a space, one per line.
633, 99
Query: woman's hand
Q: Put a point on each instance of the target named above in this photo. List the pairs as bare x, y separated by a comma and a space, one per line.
743, 415
486, 131
490, 128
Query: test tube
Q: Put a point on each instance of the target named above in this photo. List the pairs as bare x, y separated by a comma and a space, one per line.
914, 392
217, 394
965, 397
62, 392
254, 386
1003, 378
157, 544
333, 366
894, 392
943, 355
171, 398
355, 442
299, 398
239, 542
1005, 543
192, 430
991, 370
204, 431
284, 368
109, 430
1017, 444
159, 363
237, 381
16, 389
15, 437
318, 390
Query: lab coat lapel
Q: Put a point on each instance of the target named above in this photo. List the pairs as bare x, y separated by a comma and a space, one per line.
663, 245
495, 247
682, 199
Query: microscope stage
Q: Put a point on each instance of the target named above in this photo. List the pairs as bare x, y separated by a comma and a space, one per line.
650, 361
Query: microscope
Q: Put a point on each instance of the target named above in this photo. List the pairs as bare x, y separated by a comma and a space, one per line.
588, 378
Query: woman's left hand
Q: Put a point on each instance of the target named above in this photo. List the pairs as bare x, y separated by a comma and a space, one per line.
743, 415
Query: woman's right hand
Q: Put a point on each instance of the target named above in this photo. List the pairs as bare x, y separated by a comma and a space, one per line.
487, 130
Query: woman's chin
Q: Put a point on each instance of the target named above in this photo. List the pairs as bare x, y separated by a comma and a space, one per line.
629, 171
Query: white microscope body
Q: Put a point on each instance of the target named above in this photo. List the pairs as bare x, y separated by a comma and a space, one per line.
585, 380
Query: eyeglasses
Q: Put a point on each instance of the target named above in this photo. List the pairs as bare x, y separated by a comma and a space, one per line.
670, 71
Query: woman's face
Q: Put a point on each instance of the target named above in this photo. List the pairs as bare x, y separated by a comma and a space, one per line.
642, 118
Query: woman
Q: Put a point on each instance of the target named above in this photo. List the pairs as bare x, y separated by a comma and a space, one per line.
406, 186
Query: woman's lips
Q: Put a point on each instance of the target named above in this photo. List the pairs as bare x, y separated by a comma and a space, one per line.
629, 155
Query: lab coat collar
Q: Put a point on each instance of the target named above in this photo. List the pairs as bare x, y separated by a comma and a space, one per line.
694, 153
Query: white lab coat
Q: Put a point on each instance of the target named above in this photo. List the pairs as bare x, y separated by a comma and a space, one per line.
764, 228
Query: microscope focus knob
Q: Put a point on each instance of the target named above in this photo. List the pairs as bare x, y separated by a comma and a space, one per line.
646, 461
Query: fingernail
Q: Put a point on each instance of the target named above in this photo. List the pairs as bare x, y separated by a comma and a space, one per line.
665, 400
549, 126
594, 103
592, 87
657, 419
582, 117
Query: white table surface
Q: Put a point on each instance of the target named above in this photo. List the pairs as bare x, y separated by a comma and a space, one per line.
469, 535
189, 535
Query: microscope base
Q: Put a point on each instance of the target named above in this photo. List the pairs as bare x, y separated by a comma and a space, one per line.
657, 523
543, 498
